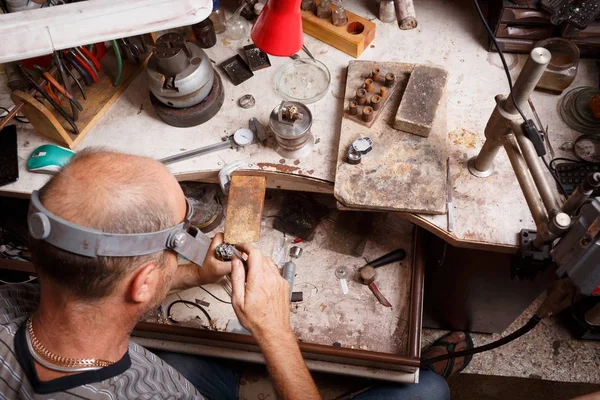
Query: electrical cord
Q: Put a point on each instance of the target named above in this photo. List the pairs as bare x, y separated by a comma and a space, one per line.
553, 173
215, 297
504, 64
187, 303
21, 119
532, 323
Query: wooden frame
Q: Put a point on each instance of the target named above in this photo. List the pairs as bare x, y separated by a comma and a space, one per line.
227, 342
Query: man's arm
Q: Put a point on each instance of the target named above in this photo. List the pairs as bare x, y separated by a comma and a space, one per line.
262, 305
190, 275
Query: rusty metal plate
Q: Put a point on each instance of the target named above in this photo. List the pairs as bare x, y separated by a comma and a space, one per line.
244, 209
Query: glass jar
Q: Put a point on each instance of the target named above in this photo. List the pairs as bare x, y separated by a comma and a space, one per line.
218, 17
309, 5
204, 33
324, 9
562, 69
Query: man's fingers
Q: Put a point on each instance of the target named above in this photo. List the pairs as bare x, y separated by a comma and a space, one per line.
247, 248
216, 241
238, 282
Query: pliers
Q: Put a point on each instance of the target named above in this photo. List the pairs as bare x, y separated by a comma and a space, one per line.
64, 71
63, 90
85, 75
58, 108
74, 57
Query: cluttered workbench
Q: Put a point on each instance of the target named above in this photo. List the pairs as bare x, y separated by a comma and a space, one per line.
488, 212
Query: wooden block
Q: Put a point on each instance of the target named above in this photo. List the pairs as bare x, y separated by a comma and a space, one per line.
244, 209
425, 90
352, 38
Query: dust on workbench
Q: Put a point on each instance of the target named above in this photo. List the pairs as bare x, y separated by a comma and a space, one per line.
326, 316
403, 172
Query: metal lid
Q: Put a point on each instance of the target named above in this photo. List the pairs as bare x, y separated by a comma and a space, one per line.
299, 124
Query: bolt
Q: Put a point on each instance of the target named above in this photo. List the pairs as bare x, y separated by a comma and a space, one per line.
367, 114
361, 96
375, 102
178, 240
390, 79
369, 85
562, 220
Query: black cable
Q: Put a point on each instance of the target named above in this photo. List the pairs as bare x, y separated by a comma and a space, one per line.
215, 297
21, 119
558, 182
187, 303
532, 323
491, 34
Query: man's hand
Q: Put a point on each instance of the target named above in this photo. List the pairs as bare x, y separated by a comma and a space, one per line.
213, 269
262, 304
261, 300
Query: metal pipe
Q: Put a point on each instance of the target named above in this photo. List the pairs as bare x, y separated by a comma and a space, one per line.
533, 162
483, 164
528, 78
526, 182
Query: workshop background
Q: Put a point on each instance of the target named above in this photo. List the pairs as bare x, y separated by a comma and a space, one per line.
359, 143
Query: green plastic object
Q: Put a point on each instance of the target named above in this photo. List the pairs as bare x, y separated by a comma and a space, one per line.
49, 158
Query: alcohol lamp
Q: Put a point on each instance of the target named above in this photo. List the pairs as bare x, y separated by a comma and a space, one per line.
290, 122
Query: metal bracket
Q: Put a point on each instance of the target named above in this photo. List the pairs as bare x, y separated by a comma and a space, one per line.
531, 260
225, 174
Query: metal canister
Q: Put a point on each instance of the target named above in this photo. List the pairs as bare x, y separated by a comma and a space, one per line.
291, 122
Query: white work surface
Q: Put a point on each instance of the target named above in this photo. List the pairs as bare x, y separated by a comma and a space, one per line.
488, 212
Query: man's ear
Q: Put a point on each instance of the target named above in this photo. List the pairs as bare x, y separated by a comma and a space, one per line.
144, 283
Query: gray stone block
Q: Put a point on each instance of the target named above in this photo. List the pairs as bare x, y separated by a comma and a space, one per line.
424, 92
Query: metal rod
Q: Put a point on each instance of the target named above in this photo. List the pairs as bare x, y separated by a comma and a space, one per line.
526, 182
533, 162
486, 156
197, 152
528, 78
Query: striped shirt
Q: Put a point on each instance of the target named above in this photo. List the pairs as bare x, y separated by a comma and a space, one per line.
138, 375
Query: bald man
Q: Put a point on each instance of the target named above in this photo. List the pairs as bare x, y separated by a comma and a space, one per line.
69, 337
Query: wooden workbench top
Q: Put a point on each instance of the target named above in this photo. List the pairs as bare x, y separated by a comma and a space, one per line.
488, 212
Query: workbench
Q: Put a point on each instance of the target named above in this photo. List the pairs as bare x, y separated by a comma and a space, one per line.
488, 212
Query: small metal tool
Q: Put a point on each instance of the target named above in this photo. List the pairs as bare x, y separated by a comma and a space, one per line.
363, 145
449, 198
241, 138
289, 268
342, 274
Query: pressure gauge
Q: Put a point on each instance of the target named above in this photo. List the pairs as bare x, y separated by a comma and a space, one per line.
243, 137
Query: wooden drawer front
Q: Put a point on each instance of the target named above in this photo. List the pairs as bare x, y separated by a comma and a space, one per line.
524, 16
524, 32
513, 45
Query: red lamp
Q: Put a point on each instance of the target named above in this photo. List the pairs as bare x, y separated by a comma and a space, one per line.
278, 29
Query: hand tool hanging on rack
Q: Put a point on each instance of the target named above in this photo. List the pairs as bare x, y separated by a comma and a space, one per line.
75, 105
58, 108
368, 273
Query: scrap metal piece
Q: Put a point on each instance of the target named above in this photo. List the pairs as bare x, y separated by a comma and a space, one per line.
295, 252
247, 101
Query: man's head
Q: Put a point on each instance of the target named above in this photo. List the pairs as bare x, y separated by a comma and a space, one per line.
114, 193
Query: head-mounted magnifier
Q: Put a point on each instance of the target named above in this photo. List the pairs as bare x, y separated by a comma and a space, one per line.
187, 241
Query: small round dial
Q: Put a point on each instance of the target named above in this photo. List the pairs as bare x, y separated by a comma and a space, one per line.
243, 137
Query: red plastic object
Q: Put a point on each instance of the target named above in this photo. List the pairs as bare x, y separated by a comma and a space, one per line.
278, 29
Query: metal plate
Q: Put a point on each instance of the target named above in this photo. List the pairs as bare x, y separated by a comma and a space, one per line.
236, 69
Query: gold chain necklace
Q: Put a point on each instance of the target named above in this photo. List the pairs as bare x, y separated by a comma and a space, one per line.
56, 362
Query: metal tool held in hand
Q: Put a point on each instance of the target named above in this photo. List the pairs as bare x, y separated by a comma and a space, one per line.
289, 268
